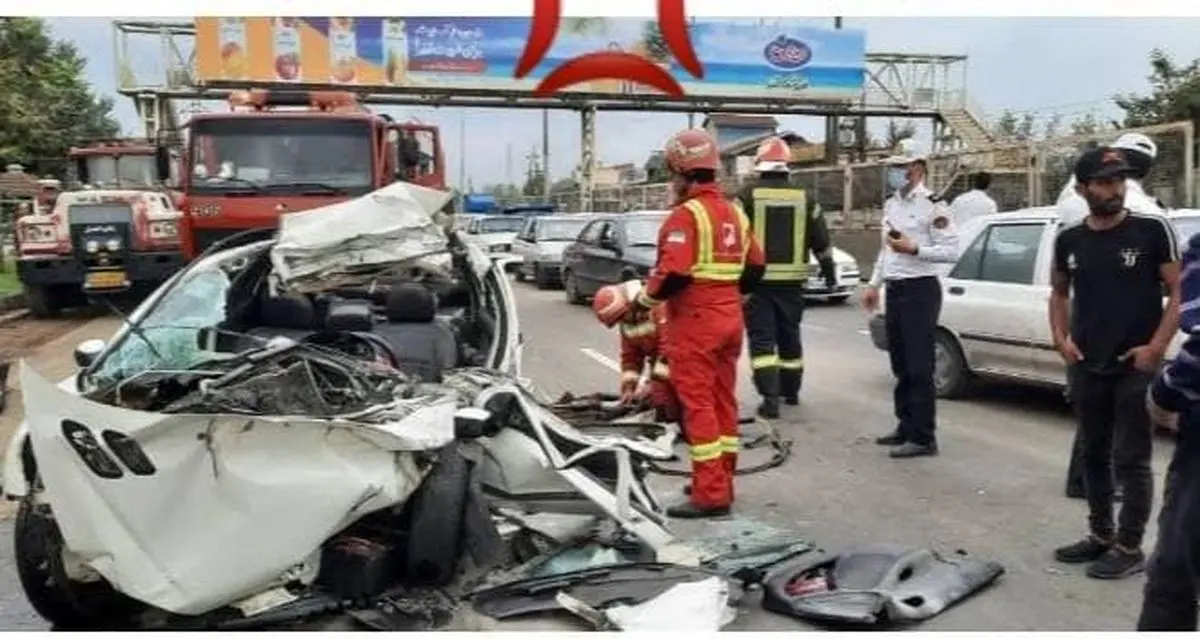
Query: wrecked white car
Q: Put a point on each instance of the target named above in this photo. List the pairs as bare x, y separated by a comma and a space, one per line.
305, 422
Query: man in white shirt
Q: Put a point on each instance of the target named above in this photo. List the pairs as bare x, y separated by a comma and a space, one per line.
1140, 152
974, 203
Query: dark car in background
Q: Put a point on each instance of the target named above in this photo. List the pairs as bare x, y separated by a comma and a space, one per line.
610, 250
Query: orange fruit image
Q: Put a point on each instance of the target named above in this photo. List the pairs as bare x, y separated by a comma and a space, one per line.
343, 70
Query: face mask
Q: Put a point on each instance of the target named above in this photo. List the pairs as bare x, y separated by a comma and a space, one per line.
897, 178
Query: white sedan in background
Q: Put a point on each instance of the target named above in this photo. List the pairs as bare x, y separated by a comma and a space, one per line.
994, 300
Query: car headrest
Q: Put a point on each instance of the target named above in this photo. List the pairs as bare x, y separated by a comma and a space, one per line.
349, 315
288, 311
411, 303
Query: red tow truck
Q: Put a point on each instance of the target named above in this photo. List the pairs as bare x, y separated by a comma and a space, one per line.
281, 151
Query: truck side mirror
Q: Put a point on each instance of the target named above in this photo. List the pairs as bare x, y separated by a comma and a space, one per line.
162, 161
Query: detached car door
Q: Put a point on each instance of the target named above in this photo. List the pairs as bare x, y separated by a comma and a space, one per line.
990, 301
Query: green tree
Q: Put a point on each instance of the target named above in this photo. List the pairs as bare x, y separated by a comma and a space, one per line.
1086, 125
653, 42
47, 104
1174, 94
898, 132
656, 168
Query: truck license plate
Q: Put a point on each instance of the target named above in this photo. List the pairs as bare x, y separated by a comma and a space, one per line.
105, 279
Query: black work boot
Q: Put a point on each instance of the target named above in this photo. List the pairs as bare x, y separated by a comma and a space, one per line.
789, 386
893, 438
688, 510
908, 450
1116, 563
769, 408
1083, 551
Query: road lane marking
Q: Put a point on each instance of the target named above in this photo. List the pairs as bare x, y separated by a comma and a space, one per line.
601, 359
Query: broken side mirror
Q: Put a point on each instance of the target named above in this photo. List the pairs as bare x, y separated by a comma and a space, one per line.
472, 423
87, 351
162, 162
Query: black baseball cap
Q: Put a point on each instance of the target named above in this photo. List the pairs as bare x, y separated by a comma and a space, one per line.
1099, 163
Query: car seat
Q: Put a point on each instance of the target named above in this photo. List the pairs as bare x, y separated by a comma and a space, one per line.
422, 346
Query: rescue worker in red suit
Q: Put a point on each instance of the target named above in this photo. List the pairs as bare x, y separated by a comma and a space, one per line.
642, 333
707, 258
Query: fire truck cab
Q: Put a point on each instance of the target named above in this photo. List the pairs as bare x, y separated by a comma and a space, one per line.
281, 151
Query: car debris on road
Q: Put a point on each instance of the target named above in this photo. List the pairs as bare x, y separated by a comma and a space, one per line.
216, 466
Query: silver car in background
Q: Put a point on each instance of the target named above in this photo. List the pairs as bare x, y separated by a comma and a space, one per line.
540, 244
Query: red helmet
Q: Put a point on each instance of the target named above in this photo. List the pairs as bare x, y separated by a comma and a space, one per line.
613, 302
691, 149
772, 155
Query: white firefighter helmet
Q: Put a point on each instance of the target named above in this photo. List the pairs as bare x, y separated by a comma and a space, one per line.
1137, 142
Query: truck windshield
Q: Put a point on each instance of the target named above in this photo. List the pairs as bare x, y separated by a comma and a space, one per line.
282, 155
122, 171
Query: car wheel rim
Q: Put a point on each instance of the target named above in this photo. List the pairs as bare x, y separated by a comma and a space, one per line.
943, 366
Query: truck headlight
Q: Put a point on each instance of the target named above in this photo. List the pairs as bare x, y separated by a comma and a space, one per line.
113, 245
163, 230
92, 246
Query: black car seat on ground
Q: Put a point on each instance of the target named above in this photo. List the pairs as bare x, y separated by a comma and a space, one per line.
423, 346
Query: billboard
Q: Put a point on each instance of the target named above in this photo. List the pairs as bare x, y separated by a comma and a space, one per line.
741, 58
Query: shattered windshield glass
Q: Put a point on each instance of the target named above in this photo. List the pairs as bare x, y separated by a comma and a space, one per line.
167, 337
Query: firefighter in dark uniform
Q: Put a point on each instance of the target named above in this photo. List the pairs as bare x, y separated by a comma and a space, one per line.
788, 225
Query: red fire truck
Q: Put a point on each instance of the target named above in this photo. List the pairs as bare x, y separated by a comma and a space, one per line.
281, 151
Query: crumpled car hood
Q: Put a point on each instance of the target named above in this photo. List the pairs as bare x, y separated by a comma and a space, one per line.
230, 504
321, 247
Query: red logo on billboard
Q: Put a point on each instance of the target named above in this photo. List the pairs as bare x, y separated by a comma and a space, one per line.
608, 65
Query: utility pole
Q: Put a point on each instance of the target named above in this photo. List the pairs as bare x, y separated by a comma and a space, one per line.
546, 154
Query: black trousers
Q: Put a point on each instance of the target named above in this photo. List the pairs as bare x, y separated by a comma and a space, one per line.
773, 315
1173, 573
1117, 440
1075, 483
913, 307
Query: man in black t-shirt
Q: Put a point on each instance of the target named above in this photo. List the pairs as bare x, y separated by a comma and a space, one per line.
1116, 263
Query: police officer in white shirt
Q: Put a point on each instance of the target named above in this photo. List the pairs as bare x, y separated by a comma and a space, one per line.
1140, 152
918, 235
974, 203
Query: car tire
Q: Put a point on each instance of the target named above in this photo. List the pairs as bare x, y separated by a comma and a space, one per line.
541, 279
570, 288
951, 376
43, 302
67, 605
519, 273
435, 529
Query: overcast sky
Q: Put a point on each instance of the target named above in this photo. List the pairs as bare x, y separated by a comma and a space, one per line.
1068, 65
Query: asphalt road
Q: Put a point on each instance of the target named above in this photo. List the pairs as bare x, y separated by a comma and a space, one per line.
996, 490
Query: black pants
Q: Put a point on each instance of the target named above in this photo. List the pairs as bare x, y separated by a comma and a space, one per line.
773, 315
1173, 573
913, 307
1117, 439
1075, 483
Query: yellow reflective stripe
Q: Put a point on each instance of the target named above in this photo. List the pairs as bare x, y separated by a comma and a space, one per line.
706, 452
764, 361
638, 330
645, 300
791, 364
706, 265
630, 376
797, 200
660, 370
704, 233
730, 444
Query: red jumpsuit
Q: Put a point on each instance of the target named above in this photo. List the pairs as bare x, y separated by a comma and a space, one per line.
641, 347
703, 247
